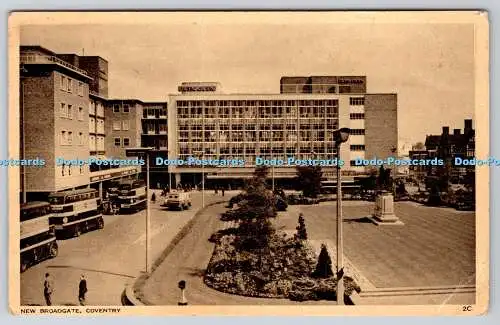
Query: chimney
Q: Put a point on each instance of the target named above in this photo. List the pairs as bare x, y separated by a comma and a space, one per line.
467, 124
456, 131
446, 130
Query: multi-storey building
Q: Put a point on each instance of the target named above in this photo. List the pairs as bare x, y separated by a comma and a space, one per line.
298, 123
54, 120
63, 99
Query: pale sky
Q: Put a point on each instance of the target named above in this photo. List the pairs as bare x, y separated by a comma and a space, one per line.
429, 66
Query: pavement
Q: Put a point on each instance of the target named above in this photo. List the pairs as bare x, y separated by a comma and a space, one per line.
429, 260
109, 258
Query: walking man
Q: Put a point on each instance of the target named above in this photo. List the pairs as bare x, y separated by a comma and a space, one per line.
48, 288
82, 290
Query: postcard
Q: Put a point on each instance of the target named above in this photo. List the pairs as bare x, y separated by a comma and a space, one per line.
249, 163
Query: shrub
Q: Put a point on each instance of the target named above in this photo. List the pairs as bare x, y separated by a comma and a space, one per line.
324, 266
301, 228
301, 295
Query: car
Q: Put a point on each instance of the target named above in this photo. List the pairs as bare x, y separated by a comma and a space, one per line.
178, 200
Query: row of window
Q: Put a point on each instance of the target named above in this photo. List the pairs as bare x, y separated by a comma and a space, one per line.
66, 111
356, 101
67, 85
125, 108
357, 147
121, 125
266, 112
119, 142
68, 170
357, 116
66, 138
357, 132
92, 125
261, 103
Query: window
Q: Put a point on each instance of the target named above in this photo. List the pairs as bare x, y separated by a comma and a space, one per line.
125, 109
357, 147
356, 101
70, 137
70, 85
125, 125
116, 109
63, 138
80, 88
126, 142
63, 83
357, 131
70, 111
357, 116
63, 112
80, 113
116, 125
117, 142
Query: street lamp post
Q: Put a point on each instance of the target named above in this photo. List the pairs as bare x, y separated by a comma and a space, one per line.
340, 136
169, 174
202, 177
144, 152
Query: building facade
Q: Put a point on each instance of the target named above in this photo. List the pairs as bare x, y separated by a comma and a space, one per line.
63, 104
299, 123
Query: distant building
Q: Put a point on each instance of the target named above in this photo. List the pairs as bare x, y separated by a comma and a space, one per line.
448, 146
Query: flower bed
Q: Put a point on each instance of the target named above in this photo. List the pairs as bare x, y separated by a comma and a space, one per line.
280, 271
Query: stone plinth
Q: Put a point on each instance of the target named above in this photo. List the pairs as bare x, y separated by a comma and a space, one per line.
384, 211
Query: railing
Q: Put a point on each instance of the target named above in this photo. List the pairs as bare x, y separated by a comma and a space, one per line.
36, 58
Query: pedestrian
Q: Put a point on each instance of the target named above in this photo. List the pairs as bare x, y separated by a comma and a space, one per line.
82, 290
48, 289
153, 197
223, 189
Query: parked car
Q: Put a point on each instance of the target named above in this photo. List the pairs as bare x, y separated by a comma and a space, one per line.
178, 200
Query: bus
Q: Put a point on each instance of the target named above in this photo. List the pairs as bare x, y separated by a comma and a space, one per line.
37, 237
132, 195
76, 211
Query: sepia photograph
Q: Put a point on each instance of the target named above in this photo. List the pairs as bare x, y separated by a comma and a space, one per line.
180, 163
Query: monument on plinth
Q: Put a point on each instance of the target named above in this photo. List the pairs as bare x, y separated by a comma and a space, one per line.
384, 210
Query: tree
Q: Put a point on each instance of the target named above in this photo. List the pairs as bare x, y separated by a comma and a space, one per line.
309, 180
301, 228
324, 266
418, 146
256, 208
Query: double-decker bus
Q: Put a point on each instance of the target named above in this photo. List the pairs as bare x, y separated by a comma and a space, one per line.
132, 195
75, 212
37, 237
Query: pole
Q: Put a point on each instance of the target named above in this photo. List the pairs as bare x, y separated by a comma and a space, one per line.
273, 176
340, 248
24, 142
148, 216
169, 174
202, 182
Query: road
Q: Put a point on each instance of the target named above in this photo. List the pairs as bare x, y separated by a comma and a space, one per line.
109, 258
